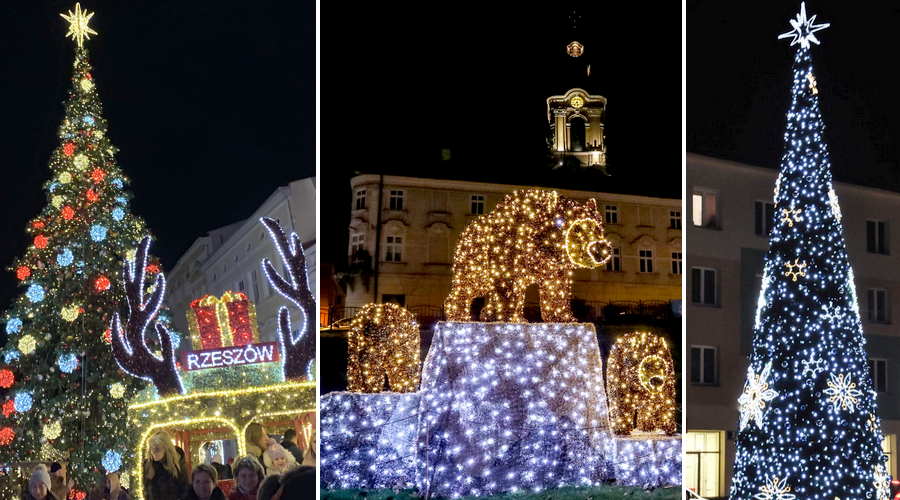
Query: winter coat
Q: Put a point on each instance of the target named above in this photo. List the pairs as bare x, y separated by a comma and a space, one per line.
223, 471
294, 449
216, 494
163, 486
237, 495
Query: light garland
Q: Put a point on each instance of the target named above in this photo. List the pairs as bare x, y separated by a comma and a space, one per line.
383, 343
641, 385
532, 236
803, 435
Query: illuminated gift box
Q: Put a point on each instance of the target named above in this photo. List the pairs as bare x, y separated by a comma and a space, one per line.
229, 321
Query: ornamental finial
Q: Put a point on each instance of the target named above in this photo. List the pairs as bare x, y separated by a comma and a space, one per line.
804, 29
78, 24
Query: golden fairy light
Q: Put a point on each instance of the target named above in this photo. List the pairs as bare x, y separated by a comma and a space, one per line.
384, 341
641, 385
532, 237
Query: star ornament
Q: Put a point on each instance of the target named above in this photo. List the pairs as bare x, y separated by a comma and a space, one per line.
804, 29
78, 25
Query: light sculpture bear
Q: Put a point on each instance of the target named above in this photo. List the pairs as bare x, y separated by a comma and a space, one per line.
384, 341
641, 385
532, 237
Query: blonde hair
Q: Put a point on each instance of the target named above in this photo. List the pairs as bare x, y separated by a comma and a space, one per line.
253, 434
310, 447
248, 462
209, 470
170, 460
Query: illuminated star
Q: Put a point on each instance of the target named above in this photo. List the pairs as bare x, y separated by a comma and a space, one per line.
804, 29
775, 490
882, 483
813, 365
78, 24
843, 392
756, 393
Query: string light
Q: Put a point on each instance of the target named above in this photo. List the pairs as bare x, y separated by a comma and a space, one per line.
23, 401
68, 362
6, 378
112, 461
23, 272
641, 385
383, 342
27, 344
52, 430
533, 236
65, 257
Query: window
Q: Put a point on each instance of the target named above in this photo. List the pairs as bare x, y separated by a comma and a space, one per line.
357, 243
254, 283
613, 264
878, 374
392, 248
878, 312
876, 236
703, 286
703, 365
646, 261
702, 462
396, 199
674, 219
477, 204
704, 214
612, 214
240, 285
765, 218
676, 262
360, 199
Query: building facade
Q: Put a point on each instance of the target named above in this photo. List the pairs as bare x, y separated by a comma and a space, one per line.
228, 258
731, 207
405, 229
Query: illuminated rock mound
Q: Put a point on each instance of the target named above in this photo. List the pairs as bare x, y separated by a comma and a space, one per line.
383, 343
641, 385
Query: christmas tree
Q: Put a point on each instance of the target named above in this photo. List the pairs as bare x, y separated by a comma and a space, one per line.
67, 397
808, 427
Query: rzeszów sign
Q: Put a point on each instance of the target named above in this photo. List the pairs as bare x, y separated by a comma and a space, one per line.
230, 356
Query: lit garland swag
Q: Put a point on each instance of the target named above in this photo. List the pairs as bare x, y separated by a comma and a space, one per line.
508, 405
808, 427
66, 398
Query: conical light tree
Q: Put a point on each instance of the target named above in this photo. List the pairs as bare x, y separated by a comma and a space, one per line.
808, 427
66, 396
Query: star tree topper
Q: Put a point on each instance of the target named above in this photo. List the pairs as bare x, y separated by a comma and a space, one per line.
804, 29
78, 25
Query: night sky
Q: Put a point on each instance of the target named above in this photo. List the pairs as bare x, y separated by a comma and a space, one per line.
739, 84
476, 82
211, 103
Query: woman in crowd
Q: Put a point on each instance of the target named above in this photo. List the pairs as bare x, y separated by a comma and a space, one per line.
248, 473
112, 488
203, 484
257, 440
309, 456
165, 473
39, 485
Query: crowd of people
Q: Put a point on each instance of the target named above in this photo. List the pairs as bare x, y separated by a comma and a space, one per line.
269, 471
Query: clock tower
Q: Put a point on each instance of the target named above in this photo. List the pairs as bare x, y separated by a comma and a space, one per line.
576, 117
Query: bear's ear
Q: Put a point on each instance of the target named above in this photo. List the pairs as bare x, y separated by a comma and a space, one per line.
592, 205
552, 201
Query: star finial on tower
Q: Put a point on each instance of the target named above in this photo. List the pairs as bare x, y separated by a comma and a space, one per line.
78, 24
804, 29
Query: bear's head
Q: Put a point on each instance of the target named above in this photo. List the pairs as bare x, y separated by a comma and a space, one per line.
585, 244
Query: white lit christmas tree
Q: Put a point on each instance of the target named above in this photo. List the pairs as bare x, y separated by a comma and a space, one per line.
808, 428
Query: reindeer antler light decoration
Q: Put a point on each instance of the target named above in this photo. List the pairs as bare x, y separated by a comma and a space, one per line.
300, 350
130, 345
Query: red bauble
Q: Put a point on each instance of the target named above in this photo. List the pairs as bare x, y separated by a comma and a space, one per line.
98, 175
40, 241
6, 378
37, 224
23, 272
68, 213
108, 337
69, 148
6, 436
91, 195
152, 268
102, 283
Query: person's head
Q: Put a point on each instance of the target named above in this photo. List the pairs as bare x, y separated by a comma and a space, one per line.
311, 447
299, 483
278, 455
217, 459
39, 484
204, 479
111, 482
160, 448
257, 436
247, 472
230, 461
57, 469
290, 435
269, 487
